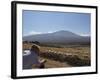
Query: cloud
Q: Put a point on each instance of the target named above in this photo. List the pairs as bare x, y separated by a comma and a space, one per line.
84, 34
34, 33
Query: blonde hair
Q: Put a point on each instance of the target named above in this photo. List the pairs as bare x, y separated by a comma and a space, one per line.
35, 48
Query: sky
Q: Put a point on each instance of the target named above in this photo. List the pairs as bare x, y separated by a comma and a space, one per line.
38, 22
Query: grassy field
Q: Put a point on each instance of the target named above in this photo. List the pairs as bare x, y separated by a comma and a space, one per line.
64, 56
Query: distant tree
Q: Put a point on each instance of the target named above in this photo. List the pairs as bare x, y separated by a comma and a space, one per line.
25, 41
36, 42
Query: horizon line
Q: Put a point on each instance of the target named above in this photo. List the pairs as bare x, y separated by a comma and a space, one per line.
37, 33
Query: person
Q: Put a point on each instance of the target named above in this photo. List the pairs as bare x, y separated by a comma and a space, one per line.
31, 58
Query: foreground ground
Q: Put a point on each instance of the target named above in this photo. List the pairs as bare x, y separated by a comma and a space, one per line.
55, 64
64, 56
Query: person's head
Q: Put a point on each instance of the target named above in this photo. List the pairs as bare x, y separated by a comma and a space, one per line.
35, 48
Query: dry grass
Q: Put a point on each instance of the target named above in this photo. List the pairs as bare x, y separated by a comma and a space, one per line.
76, 56
55, 64
80, 51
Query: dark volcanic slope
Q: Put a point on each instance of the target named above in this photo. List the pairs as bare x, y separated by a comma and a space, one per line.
58, 37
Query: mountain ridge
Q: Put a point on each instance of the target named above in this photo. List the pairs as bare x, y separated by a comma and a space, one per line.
61, 36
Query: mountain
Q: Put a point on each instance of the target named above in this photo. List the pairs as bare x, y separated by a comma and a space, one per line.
61, 36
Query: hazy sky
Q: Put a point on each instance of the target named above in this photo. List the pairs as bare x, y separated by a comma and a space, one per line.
36, 22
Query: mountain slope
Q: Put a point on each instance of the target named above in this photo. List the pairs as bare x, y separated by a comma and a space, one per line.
58, 37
